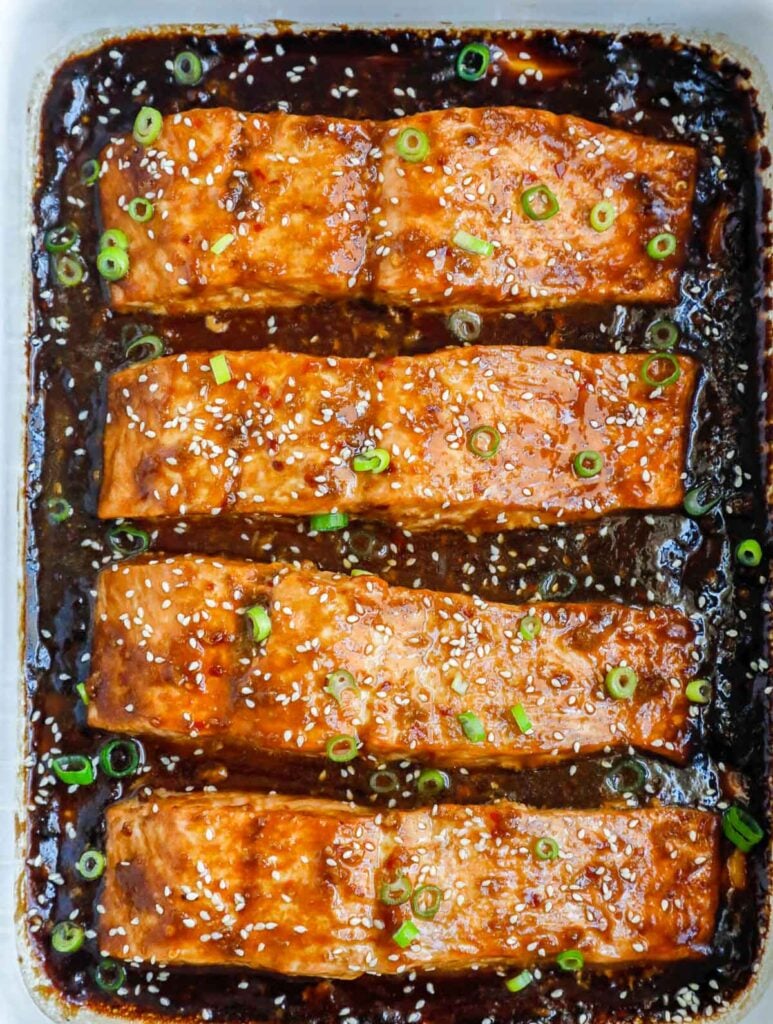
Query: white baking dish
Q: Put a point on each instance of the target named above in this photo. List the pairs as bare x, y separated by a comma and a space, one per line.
38, 35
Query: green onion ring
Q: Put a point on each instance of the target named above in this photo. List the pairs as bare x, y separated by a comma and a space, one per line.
260, 621
147, 125
341, 748
698, 691
396, 892
126, 539
749, 553
662, 334
119, 759
660, 357
661, 246
74, 769
412, 145
545, 848
383, 781
621, 682
329, 522
432, 783
67, 937
426, 900
741, 828
338, 681
519, 982
113, 238
530, 627
550, 585
91, 865
141, 209
627, 775
697, 502
588, 464
109, 975
602, 216
60, 239
374, 460
113, 263
473, 62
151, 344
59, 510
68, 269
571, 960
472, 727
542, 194
187, 68
465, 324
89, 172
488, 433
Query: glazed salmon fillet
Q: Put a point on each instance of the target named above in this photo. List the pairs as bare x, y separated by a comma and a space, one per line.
479, 438
254, 210
297, 885
397, 673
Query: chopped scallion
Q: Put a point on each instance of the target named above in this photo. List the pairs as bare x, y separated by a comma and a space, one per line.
539, 202
405, 934
141, 209
484, 441
147, 125
465, 324
412, 145
328, 522
113, 263
603, 216
74, 769
426, 900
395, 892
698, 691
374, 460
338, 681
520, 718
473, 62
621, 682
260, 622
91, 865
341, 748
67, 937
471, 243
432, 782
221, 371
741, 828
749, 553
187, 68
588, 464
519, 982
472, 727
222, 243
119, 759
661, 246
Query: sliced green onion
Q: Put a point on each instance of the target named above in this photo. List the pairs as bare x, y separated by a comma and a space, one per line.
588, 464
472, 727
558, 583
148, 346
113, 238
698, 691
465, 324
113, 263
396, 892
141, 209
222, 243
361, 572
621, 682
341, 748
571, 960
412, 145
603, 216
383, 781
473, 62
741, 828
109, 975
520, 718
459, 684
490, 437
426, 901
661, 246
221, 371
530, 627
261, 622
83, 693
188, 69
627, 775
147, 125
374, 460
328, 522
74, 769
59, 510
663, 334
660, 382
405, 934
545, 848
698, 501
338, 681
91, 865
67, 937
69, 270
545, 200
519, 982
749, 553
471, 243
61, 238
89, 172
432, 782
126, 539
119, 759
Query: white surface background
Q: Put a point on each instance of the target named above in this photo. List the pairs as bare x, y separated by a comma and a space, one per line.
34, 31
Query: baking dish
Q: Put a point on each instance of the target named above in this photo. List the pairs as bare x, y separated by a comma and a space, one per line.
41, 35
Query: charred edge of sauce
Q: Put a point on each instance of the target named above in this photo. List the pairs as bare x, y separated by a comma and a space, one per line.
667, 557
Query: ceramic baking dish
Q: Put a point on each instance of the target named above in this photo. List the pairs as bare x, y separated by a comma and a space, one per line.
38, 36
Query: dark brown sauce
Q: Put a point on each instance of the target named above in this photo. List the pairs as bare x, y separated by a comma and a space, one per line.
634, 82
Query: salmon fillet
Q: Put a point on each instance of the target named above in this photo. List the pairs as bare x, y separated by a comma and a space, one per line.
295, 885
253, 210
174, 656
280, 433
